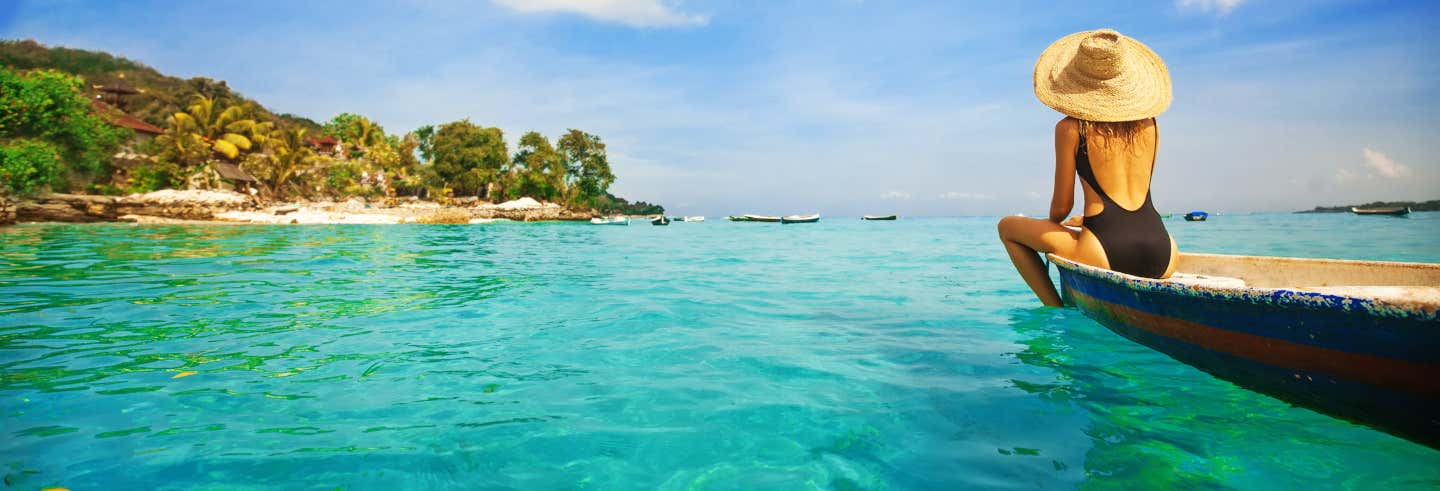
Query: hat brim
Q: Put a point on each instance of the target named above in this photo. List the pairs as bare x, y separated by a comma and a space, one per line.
1141, 90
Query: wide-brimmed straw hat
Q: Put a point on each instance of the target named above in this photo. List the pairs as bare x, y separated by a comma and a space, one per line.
1102, 76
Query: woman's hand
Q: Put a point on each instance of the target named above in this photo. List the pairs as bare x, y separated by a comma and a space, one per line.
1073, 221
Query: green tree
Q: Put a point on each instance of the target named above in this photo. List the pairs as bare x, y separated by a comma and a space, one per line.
424, 137
468, 157
288, 156
208, 128
357, 130
47, 130
588, 174
537, 170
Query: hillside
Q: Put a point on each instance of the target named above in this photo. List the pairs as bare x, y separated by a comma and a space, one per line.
160, 95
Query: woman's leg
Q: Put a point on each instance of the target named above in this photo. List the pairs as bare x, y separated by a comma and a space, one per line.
1025, 239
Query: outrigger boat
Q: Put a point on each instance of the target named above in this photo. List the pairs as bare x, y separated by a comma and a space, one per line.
879, 217
1355, 339
610, 221
1393, 211
800, 218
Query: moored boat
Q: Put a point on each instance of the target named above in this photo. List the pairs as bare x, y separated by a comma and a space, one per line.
760, 218
734, 218
1390, 210
616, 220
800, 218
693, 219
1196, 216
660, 221
879, 217
1354, 339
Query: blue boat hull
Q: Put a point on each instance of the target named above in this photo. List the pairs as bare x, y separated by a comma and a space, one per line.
1344, 356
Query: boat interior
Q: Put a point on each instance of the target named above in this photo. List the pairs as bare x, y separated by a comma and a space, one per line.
1395, 281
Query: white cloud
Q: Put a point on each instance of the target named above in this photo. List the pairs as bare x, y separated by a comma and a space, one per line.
1382, 164
1343, 175
966, 196
894, 195
637, 13
1220, 7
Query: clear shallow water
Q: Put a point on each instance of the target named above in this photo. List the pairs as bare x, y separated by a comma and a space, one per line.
716, 355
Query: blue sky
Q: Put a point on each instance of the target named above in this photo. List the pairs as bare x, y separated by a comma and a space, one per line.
841, 107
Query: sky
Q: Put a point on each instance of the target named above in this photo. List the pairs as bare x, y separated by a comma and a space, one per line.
842, 107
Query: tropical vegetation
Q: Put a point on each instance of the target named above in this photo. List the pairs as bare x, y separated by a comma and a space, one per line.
50, 137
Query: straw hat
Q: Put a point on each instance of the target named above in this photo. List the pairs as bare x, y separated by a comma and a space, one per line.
1102, 76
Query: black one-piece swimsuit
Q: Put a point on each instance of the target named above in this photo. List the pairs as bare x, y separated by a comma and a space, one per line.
1135, 242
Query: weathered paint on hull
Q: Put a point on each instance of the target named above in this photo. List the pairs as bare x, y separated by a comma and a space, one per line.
1333, 354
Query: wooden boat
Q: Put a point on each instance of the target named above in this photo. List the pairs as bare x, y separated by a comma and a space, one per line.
1392, 210
800, 218
693, 219
610, 221
660, 221
760, 218
1196, 216
734, 218
1355, 339
879, 217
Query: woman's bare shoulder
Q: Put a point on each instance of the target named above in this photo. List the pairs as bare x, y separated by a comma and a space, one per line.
1067, 129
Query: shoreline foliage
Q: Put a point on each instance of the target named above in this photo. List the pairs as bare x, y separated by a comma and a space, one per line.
206, 123
48, 134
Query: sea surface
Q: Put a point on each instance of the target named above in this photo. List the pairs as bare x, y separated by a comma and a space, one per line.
714, 355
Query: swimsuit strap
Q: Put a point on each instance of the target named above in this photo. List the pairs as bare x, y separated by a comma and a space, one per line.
1087, 173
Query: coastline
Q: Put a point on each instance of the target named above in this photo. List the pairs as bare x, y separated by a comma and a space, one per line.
193, 206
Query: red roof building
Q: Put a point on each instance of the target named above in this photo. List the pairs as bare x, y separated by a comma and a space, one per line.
117, 117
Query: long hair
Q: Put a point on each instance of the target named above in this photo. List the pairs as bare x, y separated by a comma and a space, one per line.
1116, 131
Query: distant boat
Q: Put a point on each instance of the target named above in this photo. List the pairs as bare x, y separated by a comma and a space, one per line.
1196, 216
1354, 339
879, 217
760, 218
1390, 210
693, 219
1166, 216
660, 221
734, 218
610, 221
801, 218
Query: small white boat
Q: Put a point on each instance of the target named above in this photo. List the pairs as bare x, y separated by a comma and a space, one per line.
610, 221
693, 219
800, 218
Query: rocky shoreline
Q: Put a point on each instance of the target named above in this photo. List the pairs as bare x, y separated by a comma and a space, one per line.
170, 206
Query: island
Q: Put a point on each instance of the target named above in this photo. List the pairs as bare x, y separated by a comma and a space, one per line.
1432, 205
89, 136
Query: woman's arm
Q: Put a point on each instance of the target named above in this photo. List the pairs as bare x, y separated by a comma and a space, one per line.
1067, 138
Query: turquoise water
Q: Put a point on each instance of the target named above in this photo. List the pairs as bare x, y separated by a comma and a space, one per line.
716, 355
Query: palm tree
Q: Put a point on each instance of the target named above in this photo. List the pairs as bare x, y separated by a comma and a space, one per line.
204, 130
288, 156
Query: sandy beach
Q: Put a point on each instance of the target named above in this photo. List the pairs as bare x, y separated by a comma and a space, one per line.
197, 206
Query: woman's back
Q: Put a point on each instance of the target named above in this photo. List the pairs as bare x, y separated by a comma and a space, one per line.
1122, 159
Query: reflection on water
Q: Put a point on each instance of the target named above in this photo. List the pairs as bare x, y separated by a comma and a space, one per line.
835, 355
1161, 424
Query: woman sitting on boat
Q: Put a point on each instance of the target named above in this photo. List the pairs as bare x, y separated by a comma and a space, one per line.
1110, 88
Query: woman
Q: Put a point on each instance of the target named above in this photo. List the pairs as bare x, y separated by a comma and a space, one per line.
1110, 89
